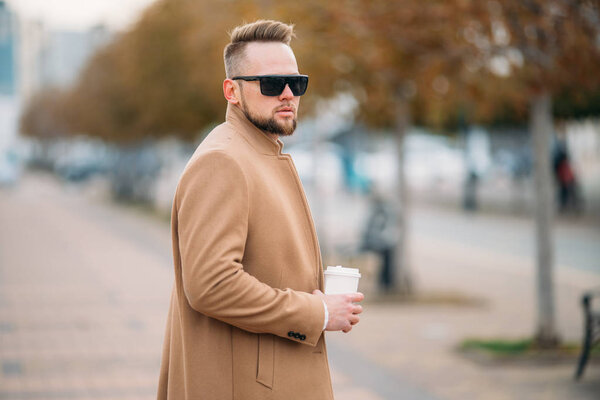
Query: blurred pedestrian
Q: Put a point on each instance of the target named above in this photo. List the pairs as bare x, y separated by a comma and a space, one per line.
470, 191
247, 317
380, 236
567, 189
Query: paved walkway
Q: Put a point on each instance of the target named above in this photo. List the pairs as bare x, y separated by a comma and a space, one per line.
84, 288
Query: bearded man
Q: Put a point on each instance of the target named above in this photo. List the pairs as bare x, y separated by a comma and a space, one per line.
247, 316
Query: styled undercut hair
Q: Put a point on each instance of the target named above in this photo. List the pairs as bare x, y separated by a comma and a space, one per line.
258, 31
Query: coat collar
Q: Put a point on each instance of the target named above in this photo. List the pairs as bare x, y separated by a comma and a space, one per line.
259, 139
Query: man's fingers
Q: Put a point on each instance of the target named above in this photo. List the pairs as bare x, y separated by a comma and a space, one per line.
343, 310
356, 297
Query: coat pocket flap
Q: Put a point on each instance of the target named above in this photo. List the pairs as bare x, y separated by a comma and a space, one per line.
266, 360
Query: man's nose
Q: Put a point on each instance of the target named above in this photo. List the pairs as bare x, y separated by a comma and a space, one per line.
287, 93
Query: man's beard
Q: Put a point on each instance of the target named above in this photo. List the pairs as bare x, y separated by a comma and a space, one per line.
269, 124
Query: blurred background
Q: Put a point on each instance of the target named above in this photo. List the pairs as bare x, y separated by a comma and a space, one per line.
448, 149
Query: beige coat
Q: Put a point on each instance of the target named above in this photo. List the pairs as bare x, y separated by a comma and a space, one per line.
242, 324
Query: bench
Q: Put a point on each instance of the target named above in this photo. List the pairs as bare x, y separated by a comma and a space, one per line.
591, 335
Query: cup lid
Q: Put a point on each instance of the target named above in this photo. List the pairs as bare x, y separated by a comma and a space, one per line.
339, 270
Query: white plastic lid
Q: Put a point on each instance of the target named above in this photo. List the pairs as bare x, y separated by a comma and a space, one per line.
339, 270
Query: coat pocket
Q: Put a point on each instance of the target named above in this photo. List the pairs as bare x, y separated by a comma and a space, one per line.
266, 360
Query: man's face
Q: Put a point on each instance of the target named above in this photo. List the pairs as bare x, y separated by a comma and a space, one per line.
274, 114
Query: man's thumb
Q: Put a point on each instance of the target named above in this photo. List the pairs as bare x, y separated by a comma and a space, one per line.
318, 292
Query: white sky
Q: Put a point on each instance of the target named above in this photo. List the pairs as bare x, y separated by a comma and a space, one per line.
80, 14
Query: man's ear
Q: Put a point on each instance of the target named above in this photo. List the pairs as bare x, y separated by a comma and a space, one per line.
231, 91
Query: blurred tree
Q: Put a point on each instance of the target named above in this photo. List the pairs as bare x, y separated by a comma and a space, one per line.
438, 60
44, 119
99, 103
576, 103
163, 76
44, 115
399, 61
170, 64
555, 50
139, 87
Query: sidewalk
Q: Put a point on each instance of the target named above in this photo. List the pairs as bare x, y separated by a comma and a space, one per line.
84, 289
417, 341
488, 261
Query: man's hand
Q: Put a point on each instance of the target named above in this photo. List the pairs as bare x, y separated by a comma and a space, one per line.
343, 313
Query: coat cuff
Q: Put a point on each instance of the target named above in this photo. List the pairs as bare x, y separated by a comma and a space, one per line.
312, 326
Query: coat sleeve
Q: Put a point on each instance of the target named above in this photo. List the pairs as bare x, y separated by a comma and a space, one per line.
212, 205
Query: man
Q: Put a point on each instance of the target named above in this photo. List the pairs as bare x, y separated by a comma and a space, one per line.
247, 317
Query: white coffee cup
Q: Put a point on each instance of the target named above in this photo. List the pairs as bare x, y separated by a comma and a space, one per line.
340, 280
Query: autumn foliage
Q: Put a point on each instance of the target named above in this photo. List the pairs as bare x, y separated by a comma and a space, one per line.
447, 59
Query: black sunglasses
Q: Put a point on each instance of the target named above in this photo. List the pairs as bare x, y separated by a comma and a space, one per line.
274, 85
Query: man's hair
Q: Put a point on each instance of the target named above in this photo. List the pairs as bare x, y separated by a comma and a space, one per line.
258, 31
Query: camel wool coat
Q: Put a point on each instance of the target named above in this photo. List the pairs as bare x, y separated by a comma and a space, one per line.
242, 324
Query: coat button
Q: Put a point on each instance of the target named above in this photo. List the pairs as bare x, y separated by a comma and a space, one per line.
291, 333
302, 337
297, 335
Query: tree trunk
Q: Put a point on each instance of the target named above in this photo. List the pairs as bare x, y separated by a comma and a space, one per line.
542, 129
401, 277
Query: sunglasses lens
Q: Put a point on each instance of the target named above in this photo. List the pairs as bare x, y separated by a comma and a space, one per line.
274, 86
298, 84
271, 86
